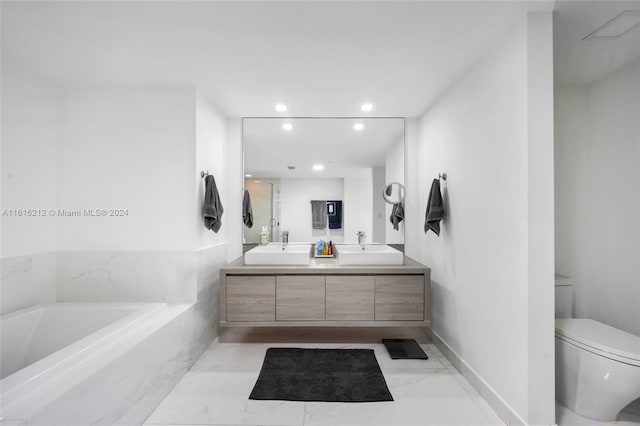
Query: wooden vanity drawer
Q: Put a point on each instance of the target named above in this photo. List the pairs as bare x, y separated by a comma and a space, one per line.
399, 297
251, 298
350, 297
300, 297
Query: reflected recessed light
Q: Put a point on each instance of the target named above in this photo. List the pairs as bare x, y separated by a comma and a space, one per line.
248, 175
358, 126
366, 107
318, 167
287, 126
281, 107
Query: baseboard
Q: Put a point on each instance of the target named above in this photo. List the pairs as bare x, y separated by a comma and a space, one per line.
504, 411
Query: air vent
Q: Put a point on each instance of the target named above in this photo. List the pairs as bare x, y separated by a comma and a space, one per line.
617, 26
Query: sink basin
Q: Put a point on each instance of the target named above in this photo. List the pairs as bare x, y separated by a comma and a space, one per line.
277, 254
372, 254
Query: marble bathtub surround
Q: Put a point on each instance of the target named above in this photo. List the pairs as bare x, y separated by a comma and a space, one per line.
27, 281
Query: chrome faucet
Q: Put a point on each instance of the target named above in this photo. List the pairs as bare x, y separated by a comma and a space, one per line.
361, 238
284, 237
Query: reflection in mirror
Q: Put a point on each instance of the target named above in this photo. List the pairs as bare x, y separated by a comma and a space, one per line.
393, 193
323, 178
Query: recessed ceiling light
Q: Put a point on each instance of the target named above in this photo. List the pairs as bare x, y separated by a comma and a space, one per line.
366, 107
287, 126
358, 126
248, 175
620, 24
318, 167
291, 167
281, 107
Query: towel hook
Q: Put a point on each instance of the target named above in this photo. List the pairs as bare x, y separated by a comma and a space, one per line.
204, 173
442, 176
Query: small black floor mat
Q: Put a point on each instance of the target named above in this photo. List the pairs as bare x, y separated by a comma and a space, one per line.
404, 349
331, 375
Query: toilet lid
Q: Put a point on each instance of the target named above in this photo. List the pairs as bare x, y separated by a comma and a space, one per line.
623, 346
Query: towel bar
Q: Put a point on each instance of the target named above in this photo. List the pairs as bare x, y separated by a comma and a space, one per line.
204, 173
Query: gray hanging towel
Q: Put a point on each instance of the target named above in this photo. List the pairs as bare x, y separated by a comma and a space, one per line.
318, 214
334, 211
212, 208
435, 209
247, 211
397, 214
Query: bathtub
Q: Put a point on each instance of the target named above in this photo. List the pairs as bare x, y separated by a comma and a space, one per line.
49, 349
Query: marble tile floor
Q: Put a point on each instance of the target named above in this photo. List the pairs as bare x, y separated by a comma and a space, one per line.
630, 416
215, 392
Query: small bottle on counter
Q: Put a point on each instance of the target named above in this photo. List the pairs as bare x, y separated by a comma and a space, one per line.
264, 236
325, 250
319, 245
330, 250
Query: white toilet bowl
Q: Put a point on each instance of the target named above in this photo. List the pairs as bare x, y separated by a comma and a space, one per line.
597, 368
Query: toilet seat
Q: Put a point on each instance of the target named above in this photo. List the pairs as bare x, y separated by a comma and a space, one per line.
600, 339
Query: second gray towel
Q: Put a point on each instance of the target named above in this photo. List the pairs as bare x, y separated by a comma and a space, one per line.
318, 214
247, 211
397, 214
435, 209
212, 208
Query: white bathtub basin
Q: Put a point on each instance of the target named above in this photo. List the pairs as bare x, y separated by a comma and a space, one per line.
277, 254
370, 254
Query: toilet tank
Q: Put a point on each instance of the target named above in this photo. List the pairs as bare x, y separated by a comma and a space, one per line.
564, 296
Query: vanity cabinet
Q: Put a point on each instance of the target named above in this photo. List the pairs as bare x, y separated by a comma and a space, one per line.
250, 298
300, 297
350, 297
399, 297
324, 294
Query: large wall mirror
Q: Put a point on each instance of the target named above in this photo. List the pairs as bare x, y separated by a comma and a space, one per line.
323, 178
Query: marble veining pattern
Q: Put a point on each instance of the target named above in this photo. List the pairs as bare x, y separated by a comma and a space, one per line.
215, 392
28, 280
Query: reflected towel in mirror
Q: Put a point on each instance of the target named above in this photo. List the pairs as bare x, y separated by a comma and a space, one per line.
318, 214
334, 209
247, 211
397, 214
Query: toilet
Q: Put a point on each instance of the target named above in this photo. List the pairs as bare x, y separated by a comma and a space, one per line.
597, 366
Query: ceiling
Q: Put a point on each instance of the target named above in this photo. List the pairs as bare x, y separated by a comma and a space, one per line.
333, 142
321, 58
581, 62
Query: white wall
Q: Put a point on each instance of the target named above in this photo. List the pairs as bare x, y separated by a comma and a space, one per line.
30, 113
394, 169
210, 154
128, 149
296, 208
487, 306
357, 208
378, 232
598, 196
234, 180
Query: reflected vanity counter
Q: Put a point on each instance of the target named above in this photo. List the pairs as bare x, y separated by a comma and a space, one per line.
325, 293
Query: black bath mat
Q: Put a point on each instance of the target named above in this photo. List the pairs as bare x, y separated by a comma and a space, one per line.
404, 349
331, 375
